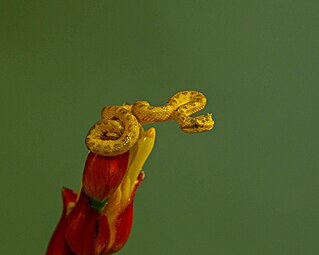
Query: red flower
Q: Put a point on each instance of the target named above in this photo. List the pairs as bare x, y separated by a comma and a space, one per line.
100, 221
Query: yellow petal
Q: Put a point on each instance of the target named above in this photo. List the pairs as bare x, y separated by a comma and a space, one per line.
120, 199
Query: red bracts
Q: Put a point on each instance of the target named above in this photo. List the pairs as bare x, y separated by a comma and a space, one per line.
98, 220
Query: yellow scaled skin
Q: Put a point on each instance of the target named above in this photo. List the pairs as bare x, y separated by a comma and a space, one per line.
121, 125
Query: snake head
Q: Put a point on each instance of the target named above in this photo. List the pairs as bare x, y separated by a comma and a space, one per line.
198, 124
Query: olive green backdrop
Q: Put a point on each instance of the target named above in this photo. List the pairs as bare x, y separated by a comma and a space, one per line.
248, 187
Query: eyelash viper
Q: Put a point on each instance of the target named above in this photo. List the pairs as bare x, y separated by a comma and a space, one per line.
120, 126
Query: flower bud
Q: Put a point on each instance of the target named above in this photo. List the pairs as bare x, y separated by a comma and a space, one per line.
100, 221
102, 174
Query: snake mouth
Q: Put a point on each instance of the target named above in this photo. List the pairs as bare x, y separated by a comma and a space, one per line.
196, 129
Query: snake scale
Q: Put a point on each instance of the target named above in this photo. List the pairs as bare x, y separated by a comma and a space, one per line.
120, 126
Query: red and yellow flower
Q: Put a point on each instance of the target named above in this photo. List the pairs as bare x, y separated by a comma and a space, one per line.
98, 220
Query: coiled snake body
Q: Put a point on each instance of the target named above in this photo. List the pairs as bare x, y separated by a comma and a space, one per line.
120, 126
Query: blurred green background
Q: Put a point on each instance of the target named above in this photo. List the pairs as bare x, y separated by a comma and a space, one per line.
248, 187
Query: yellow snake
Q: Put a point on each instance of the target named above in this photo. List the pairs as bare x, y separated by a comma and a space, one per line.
120, 126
